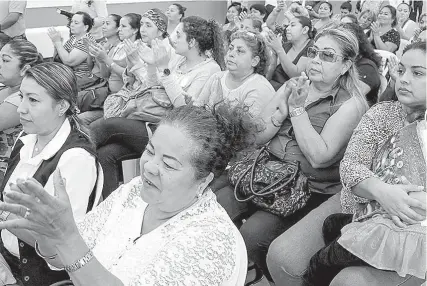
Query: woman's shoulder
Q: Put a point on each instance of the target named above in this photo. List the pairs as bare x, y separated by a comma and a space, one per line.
258, 81
212, 66
128, 195
385, 108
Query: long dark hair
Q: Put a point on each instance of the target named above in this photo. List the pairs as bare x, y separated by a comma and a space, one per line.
365, 47
208, 36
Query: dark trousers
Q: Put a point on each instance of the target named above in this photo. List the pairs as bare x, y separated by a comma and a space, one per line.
418, 10
331, 259
117, 139
261, 227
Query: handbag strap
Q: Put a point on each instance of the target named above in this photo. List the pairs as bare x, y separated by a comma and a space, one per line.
243, 175
273, 186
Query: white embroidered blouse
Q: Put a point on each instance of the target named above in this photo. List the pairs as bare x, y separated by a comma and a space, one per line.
199, 246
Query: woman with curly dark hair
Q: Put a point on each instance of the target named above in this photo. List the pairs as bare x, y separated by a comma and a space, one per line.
243, 82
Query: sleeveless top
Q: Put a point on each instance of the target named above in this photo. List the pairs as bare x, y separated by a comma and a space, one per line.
34, 269
285, 146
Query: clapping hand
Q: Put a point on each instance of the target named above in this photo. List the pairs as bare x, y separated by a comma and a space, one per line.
42, 214
98, 52
299, 91
375, 28
161, 54
243, 15
146, 54
54, 35
393, 66
274, 41
131, 49
417, 33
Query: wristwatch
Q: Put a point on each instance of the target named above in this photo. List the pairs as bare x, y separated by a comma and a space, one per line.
297, 111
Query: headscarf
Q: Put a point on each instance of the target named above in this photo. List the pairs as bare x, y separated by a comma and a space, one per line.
158, 18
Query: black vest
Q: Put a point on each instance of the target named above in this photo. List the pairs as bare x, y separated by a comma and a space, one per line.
34, 269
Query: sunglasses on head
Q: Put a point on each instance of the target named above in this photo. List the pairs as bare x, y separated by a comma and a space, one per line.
326, 56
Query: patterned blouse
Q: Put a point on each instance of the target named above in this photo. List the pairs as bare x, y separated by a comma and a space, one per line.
377, 125
391, 36
199, 246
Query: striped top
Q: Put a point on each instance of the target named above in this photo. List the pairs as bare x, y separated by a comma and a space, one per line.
81, 69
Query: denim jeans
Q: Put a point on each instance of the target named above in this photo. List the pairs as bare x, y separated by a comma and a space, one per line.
289, 255
261, 227
88, 117
117, 139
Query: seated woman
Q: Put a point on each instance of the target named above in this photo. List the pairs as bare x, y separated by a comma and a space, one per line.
368, 63
325, 16
112, 53
198, 45
405, 26
74, 52
175, 14
384, 178
55, 142
422, 26
243, 82
293, 54
366, 18
110, 59
310, 122
15, 58
382, 35
165, 227
125, 135
233, 13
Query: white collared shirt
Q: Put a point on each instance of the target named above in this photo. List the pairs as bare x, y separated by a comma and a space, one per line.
77, 167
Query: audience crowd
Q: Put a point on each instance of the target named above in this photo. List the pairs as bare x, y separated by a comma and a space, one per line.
288, 144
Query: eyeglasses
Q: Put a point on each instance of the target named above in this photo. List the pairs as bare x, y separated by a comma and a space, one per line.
325, 56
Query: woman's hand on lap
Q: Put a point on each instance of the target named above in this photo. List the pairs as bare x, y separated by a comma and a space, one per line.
398, 204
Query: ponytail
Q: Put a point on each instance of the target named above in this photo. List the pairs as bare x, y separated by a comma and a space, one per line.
218, 43
77, 126
208, 36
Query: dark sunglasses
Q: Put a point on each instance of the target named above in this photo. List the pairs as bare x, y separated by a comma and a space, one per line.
326, 56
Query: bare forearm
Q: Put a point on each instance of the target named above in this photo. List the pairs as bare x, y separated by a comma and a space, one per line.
271, 20
9, 21
380, 45
93, 273
369, 188
270, 130
311, 143
62, 53
287, 64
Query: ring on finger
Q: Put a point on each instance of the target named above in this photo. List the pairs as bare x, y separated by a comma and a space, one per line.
27, 213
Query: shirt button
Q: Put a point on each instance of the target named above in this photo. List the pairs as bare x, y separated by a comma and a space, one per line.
21, 244
26, 278
24, 260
